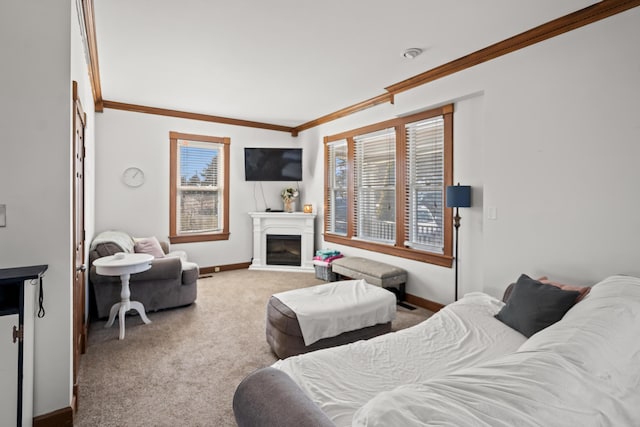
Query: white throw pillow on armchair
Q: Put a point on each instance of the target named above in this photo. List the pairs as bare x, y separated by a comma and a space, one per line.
148, 245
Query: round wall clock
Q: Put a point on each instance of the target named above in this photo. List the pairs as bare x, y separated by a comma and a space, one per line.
133, 177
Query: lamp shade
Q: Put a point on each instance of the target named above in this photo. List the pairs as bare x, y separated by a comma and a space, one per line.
459, 196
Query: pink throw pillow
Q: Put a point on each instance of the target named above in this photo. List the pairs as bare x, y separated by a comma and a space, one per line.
149, 245
584, 290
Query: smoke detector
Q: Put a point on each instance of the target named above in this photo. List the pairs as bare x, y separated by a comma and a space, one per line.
412, 52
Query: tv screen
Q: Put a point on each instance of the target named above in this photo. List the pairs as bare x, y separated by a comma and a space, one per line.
273, 164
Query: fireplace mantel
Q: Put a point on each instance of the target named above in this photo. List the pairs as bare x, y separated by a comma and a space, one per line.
286, 223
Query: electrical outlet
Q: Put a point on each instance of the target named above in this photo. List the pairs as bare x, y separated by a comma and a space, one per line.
3, 215
216, 269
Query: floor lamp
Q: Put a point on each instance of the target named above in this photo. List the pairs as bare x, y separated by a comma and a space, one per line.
458, 196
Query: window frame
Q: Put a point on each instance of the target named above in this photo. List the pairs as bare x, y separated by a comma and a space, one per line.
398, 248
174, 179
332, 187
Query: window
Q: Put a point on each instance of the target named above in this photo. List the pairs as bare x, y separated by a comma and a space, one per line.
199, 188
337, 221
385, 187
375, 192
425, 184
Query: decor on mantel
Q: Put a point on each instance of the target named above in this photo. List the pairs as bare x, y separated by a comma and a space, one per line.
289, 196
307, 208
458, 196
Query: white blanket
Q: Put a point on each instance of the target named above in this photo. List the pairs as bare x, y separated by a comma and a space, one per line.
121, 239
325, 311
582, 371
342, 379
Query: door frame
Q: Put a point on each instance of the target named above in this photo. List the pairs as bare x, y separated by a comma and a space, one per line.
79, 283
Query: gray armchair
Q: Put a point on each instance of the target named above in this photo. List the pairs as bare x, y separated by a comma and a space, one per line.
170, 282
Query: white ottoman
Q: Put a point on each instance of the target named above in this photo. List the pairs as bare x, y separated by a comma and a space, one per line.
327, 315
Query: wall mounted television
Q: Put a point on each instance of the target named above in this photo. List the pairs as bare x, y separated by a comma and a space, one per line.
273, 164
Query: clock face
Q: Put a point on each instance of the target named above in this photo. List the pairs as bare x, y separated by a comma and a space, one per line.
133, 177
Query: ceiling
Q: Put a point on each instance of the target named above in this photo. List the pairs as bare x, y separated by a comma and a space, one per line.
288, 62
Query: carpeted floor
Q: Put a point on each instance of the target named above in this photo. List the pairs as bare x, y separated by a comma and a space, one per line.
183, 368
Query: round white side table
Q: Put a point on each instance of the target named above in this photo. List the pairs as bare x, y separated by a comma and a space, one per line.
124, 265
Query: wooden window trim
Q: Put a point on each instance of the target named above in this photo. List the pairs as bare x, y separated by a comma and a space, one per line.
398, 249
174, 237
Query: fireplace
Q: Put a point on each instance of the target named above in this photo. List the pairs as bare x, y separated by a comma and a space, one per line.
283, 241
283, 249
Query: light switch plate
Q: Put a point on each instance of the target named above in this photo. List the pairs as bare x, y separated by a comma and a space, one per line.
3, 215
492, 213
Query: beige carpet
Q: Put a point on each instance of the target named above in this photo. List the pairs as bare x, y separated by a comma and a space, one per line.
183, 368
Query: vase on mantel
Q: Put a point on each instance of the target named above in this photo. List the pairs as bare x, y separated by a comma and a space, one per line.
289, 205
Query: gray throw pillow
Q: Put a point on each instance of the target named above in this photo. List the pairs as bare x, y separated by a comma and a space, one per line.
532, 306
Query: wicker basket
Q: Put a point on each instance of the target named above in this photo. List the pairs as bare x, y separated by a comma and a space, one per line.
325, 273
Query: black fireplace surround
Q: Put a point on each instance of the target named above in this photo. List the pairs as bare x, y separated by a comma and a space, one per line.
284, 249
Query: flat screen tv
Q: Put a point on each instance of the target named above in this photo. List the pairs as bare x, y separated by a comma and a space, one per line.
273, 164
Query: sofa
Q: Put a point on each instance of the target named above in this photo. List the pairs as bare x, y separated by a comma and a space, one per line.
170, 282
539, 357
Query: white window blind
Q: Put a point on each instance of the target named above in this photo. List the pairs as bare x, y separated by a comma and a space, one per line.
338, 183
199, 192
424, 211
375, 169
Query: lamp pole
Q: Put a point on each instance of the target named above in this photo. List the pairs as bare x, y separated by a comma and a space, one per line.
458, 196
456, 224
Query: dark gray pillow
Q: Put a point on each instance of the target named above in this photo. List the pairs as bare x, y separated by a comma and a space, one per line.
532, 306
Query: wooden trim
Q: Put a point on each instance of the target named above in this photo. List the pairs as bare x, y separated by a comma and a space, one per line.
380, 99
199, 238
445, 259
60, 418
588, 15
92, 47
411, 299
351, 186
401, 182
325, 201
440, 111
227, 267
202, 138
402, 252
424, 303
564, 24
448, 180
173, 181
226, 219
196, 116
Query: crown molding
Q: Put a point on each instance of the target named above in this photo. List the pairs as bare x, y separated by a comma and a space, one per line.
556, 27
195, 116
551, 29
92, 48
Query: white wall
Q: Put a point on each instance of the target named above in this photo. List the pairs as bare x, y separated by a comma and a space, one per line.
35, 174
561, 157
134, 139
546, 135
549, 137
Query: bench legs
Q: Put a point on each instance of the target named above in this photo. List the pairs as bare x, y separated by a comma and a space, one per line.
399, 291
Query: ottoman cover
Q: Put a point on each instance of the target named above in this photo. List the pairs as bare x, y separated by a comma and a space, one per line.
285, 335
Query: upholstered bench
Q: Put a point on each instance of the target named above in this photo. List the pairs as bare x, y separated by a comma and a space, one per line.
374, 272
328, 315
